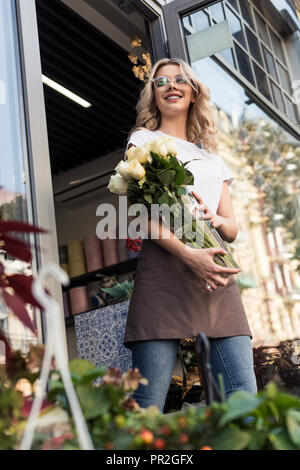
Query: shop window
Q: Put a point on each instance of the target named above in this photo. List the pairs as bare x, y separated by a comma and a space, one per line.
234, 3
228, 56
291, 109
247, 12
235, 26
270, 64
277, 46
199, 20
262, 82
254, 46
284, 78
254, 40
262, 29
244, 64
278, 97
217, 12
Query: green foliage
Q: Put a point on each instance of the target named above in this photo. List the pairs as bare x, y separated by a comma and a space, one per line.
164, 176
120, 290
270, 420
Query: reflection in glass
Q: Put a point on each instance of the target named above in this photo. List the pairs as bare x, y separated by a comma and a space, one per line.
262, 82
217, 12
278, 97
291, 110
262, 29
246, 12
265, 161
277, 46
235, 26
284, 78
13, 191
244, 64
200, 20
228, 56
254, 46
234, 3
270, 64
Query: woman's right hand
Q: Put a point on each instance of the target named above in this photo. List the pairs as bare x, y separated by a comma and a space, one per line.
202, 263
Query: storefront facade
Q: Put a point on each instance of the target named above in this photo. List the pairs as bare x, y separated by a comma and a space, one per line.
246, 51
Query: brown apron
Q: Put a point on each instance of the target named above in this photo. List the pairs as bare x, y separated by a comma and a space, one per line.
168, 301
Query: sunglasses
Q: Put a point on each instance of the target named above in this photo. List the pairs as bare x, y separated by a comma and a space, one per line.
160, 82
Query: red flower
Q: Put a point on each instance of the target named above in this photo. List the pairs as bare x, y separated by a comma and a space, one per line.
27, 405
159, 443
166, 430
108, 445
147, 436
133, 244
184, 438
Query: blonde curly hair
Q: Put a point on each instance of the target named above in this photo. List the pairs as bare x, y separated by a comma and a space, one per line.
203, 118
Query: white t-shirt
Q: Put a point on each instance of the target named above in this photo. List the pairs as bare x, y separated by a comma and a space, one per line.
209, 169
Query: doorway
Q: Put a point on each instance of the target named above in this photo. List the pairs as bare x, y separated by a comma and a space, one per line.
90, 92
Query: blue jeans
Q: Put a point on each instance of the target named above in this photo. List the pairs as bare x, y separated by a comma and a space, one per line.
231, 356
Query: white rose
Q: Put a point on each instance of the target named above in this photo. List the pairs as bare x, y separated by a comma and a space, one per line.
117, 184
141, 154
171, 146
136, 170
153, 145
122, 169
131, 153
162, 149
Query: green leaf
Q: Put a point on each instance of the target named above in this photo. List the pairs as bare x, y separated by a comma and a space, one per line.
189, 178
156, 158
180, 176
293, 426
94, 401
174, 162
180, 191
167, 177
80, 366
240, 404
231, 438
280, 440
258, 439
92, 375
164, 199
165, 163
148, 198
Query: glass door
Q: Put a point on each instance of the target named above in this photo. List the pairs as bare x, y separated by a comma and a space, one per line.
26, 189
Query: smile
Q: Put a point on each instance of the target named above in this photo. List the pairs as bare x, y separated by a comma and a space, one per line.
173, 97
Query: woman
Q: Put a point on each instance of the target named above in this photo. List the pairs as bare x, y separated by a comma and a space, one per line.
180, 292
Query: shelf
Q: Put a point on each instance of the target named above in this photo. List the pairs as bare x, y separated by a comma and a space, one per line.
124, 267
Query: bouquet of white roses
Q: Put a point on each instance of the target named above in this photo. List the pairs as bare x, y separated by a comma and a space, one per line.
152, 174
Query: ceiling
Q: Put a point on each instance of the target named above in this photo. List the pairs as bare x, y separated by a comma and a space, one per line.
79, 57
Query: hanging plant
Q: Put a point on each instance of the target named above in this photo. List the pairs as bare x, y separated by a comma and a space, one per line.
140, 58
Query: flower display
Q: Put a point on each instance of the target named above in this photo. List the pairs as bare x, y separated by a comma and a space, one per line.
152, 174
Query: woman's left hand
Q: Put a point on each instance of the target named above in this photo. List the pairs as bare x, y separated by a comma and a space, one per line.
215, 220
